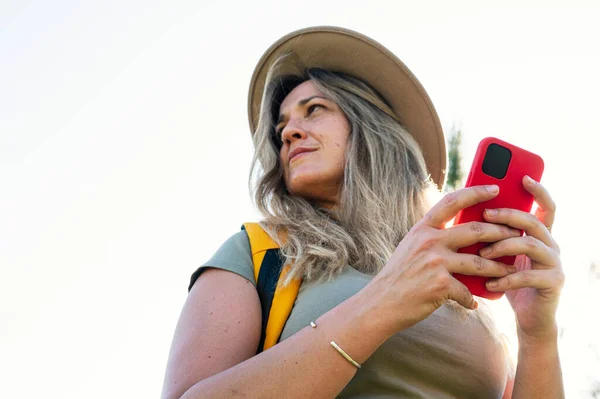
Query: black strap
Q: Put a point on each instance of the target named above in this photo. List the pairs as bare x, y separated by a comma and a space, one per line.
268, 276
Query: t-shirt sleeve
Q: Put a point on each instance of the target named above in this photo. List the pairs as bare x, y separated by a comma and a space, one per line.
234, 256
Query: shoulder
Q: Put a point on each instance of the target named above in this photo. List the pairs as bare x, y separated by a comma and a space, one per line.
233, 255
237, 242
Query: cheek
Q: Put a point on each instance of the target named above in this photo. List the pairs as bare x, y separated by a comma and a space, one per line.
340, 146
334, 158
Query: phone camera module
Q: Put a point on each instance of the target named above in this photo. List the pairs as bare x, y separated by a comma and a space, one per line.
496, 161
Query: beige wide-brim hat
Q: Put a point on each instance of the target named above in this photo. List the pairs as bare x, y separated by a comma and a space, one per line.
343, 50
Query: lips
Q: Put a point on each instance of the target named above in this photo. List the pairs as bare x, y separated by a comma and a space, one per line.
299, 150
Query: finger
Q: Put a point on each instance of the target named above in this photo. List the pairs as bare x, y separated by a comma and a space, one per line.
474, 265
546, 210
538, 279
527, 245
461, 294
454, 202
521, 220
463, 235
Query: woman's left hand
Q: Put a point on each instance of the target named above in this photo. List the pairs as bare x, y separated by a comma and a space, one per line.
534, 290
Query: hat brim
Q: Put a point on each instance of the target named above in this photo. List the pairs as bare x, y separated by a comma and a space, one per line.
343, 50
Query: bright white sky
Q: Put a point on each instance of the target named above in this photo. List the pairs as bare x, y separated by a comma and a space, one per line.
124, 152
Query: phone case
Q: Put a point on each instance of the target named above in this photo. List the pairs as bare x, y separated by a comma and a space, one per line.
512, 195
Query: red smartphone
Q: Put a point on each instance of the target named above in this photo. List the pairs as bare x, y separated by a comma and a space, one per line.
504, 164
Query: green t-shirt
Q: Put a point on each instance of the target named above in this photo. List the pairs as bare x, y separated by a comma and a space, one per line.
443, 356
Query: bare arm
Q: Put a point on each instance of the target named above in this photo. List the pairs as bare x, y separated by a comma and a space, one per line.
219, 327
209, 360
539, 373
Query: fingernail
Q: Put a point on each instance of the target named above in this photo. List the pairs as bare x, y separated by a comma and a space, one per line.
512, 269
491, 212
492, 283
515, 232
493, 189
475, 304
529, 180
485, 251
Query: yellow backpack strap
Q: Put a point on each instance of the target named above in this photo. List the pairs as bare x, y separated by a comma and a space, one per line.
260, 242
276, 301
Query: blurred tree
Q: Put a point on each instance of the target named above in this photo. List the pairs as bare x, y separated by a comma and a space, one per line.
455, 174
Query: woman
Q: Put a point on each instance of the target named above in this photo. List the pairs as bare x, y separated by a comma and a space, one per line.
348, 147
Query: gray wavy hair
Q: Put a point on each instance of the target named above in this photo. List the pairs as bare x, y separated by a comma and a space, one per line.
382, 195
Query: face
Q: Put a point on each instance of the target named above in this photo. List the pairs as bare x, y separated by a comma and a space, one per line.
308, 120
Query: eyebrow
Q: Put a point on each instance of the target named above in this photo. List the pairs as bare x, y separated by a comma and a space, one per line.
301, 103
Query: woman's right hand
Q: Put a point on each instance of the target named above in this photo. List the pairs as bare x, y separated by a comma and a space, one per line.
417, 278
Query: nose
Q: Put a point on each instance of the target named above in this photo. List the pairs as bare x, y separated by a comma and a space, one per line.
293, 131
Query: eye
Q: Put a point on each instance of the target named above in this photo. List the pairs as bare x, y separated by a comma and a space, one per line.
313, 107
309, 111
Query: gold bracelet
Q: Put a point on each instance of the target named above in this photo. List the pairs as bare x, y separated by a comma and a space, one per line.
340, 350
346, 356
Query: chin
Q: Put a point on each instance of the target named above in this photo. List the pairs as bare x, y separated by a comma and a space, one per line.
316, 190
303, 183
